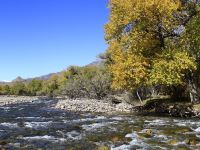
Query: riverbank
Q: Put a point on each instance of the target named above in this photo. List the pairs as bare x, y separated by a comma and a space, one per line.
169, 107
93, 105
75, 105
11, 99
157, 107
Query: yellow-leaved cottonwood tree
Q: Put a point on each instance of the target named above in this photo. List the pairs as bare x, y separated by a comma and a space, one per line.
154, 42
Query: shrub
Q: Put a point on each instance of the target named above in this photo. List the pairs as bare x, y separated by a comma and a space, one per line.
18, 88
50, 86
90, 82
34, 87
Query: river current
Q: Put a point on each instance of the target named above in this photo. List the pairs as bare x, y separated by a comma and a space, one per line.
37, 126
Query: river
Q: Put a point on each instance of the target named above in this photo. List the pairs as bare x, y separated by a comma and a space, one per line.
37, 126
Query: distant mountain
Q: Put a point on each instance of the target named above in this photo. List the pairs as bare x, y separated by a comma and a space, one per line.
18, 79
4, 82
46, 77
96, 63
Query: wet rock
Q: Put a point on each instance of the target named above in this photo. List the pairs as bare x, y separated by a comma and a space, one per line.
102, 147
183, 130
115, 139
93, 138
147, 133
16, 145
169, 131
182, 147
3, 143
118, 138
191, 141
77, 127
172, 142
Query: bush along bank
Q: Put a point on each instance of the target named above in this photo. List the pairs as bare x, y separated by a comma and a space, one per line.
168, 108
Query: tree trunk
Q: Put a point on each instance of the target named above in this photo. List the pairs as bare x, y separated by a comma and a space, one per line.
193, 90
138, 95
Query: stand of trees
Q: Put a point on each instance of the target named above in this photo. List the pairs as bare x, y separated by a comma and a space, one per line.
75, 82
155, 43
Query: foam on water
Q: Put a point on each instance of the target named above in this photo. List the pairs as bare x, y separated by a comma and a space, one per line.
197, 130
98, 118
122, 147
16, 145
5, 108
45, 138
37, 124
9, 125
74, 135
181, 124
186, 122
120, 118
29, 118
161, 137
136, 141
157, 122
96, 125
32, 118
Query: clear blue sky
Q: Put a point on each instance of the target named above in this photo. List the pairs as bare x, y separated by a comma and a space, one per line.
38, 37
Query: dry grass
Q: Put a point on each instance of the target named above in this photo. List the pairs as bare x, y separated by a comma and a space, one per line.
197, 107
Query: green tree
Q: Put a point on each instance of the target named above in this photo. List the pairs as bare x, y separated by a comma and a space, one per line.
6, 90
89, 81
34, 87
18, 88
50, 87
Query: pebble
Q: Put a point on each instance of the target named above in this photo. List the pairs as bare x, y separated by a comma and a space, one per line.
80, 105
92, 105
6, 100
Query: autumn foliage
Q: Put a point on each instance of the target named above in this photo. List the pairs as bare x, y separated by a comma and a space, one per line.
154, 42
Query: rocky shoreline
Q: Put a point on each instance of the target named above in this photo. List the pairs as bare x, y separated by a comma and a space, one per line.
77, 105
93, 105
168, 108
10, 99
107, 106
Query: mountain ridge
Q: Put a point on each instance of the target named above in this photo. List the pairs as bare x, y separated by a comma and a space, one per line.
47, 76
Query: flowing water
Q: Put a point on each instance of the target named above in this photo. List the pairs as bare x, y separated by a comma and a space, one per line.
37, 126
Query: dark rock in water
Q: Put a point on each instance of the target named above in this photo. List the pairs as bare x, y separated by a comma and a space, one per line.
191, 141
147, 133
3, 143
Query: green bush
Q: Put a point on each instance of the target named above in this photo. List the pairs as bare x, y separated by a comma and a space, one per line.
34, 87
18, 88
90, 82
50, 87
